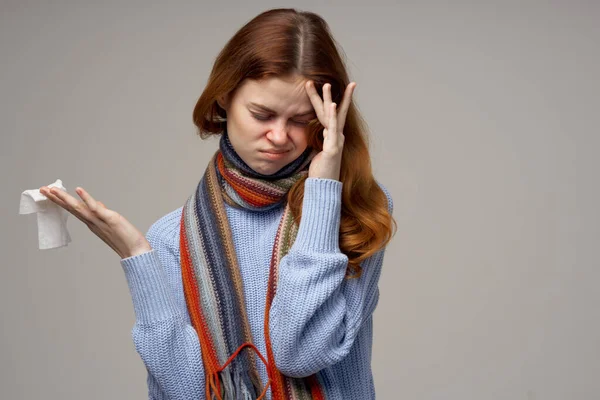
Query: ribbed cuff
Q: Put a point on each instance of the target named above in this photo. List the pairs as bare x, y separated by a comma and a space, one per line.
152, 299
319, 228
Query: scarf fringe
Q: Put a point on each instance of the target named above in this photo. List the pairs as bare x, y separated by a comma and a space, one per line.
232, 384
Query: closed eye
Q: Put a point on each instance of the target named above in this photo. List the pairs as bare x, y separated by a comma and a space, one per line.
301, 123
261, 117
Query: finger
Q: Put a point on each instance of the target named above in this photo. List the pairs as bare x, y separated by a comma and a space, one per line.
332, 125
74, 206
327, 100
91, 203
315, 99
46, 192
52, 197
343, 110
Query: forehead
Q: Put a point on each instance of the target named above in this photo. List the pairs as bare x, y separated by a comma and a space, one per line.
278, 93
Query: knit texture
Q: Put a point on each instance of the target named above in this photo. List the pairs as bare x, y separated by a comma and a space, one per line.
319, 321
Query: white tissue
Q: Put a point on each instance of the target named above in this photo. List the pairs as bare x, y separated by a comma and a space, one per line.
51, 218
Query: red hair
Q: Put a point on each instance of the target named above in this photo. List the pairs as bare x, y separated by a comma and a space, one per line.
285, 42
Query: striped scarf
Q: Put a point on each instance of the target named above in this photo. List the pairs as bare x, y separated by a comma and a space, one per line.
213, 285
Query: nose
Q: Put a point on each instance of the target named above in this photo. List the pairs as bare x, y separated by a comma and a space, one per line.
278, 134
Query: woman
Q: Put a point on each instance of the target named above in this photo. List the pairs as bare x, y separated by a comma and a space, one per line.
264, 283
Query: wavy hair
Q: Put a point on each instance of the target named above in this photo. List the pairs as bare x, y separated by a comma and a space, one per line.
283, 42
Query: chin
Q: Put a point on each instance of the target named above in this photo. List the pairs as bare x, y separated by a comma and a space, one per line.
268, 168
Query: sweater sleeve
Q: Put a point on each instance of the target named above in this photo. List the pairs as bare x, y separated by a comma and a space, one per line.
162, 335
316, 314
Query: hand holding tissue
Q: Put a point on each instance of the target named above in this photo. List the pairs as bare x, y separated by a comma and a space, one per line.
51, 218
53, 207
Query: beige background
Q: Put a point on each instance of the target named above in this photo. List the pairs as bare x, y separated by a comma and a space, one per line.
485, 121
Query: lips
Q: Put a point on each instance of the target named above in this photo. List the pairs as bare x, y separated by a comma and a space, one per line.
274, 156
274, 151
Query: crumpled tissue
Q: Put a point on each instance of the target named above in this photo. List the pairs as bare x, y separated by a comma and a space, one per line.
51, 218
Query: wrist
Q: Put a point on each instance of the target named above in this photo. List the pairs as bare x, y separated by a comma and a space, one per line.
138, 250
333, 175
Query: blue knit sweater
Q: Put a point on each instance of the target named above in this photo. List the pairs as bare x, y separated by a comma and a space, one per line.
319, 320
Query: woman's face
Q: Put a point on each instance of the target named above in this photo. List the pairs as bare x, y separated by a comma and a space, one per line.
267, 121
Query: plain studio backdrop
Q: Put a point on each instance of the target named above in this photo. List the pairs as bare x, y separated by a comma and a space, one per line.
484, 119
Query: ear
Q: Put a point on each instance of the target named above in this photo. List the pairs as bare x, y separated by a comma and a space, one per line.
223, 101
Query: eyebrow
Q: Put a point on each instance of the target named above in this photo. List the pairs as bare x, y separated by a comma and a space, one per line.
267, 109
